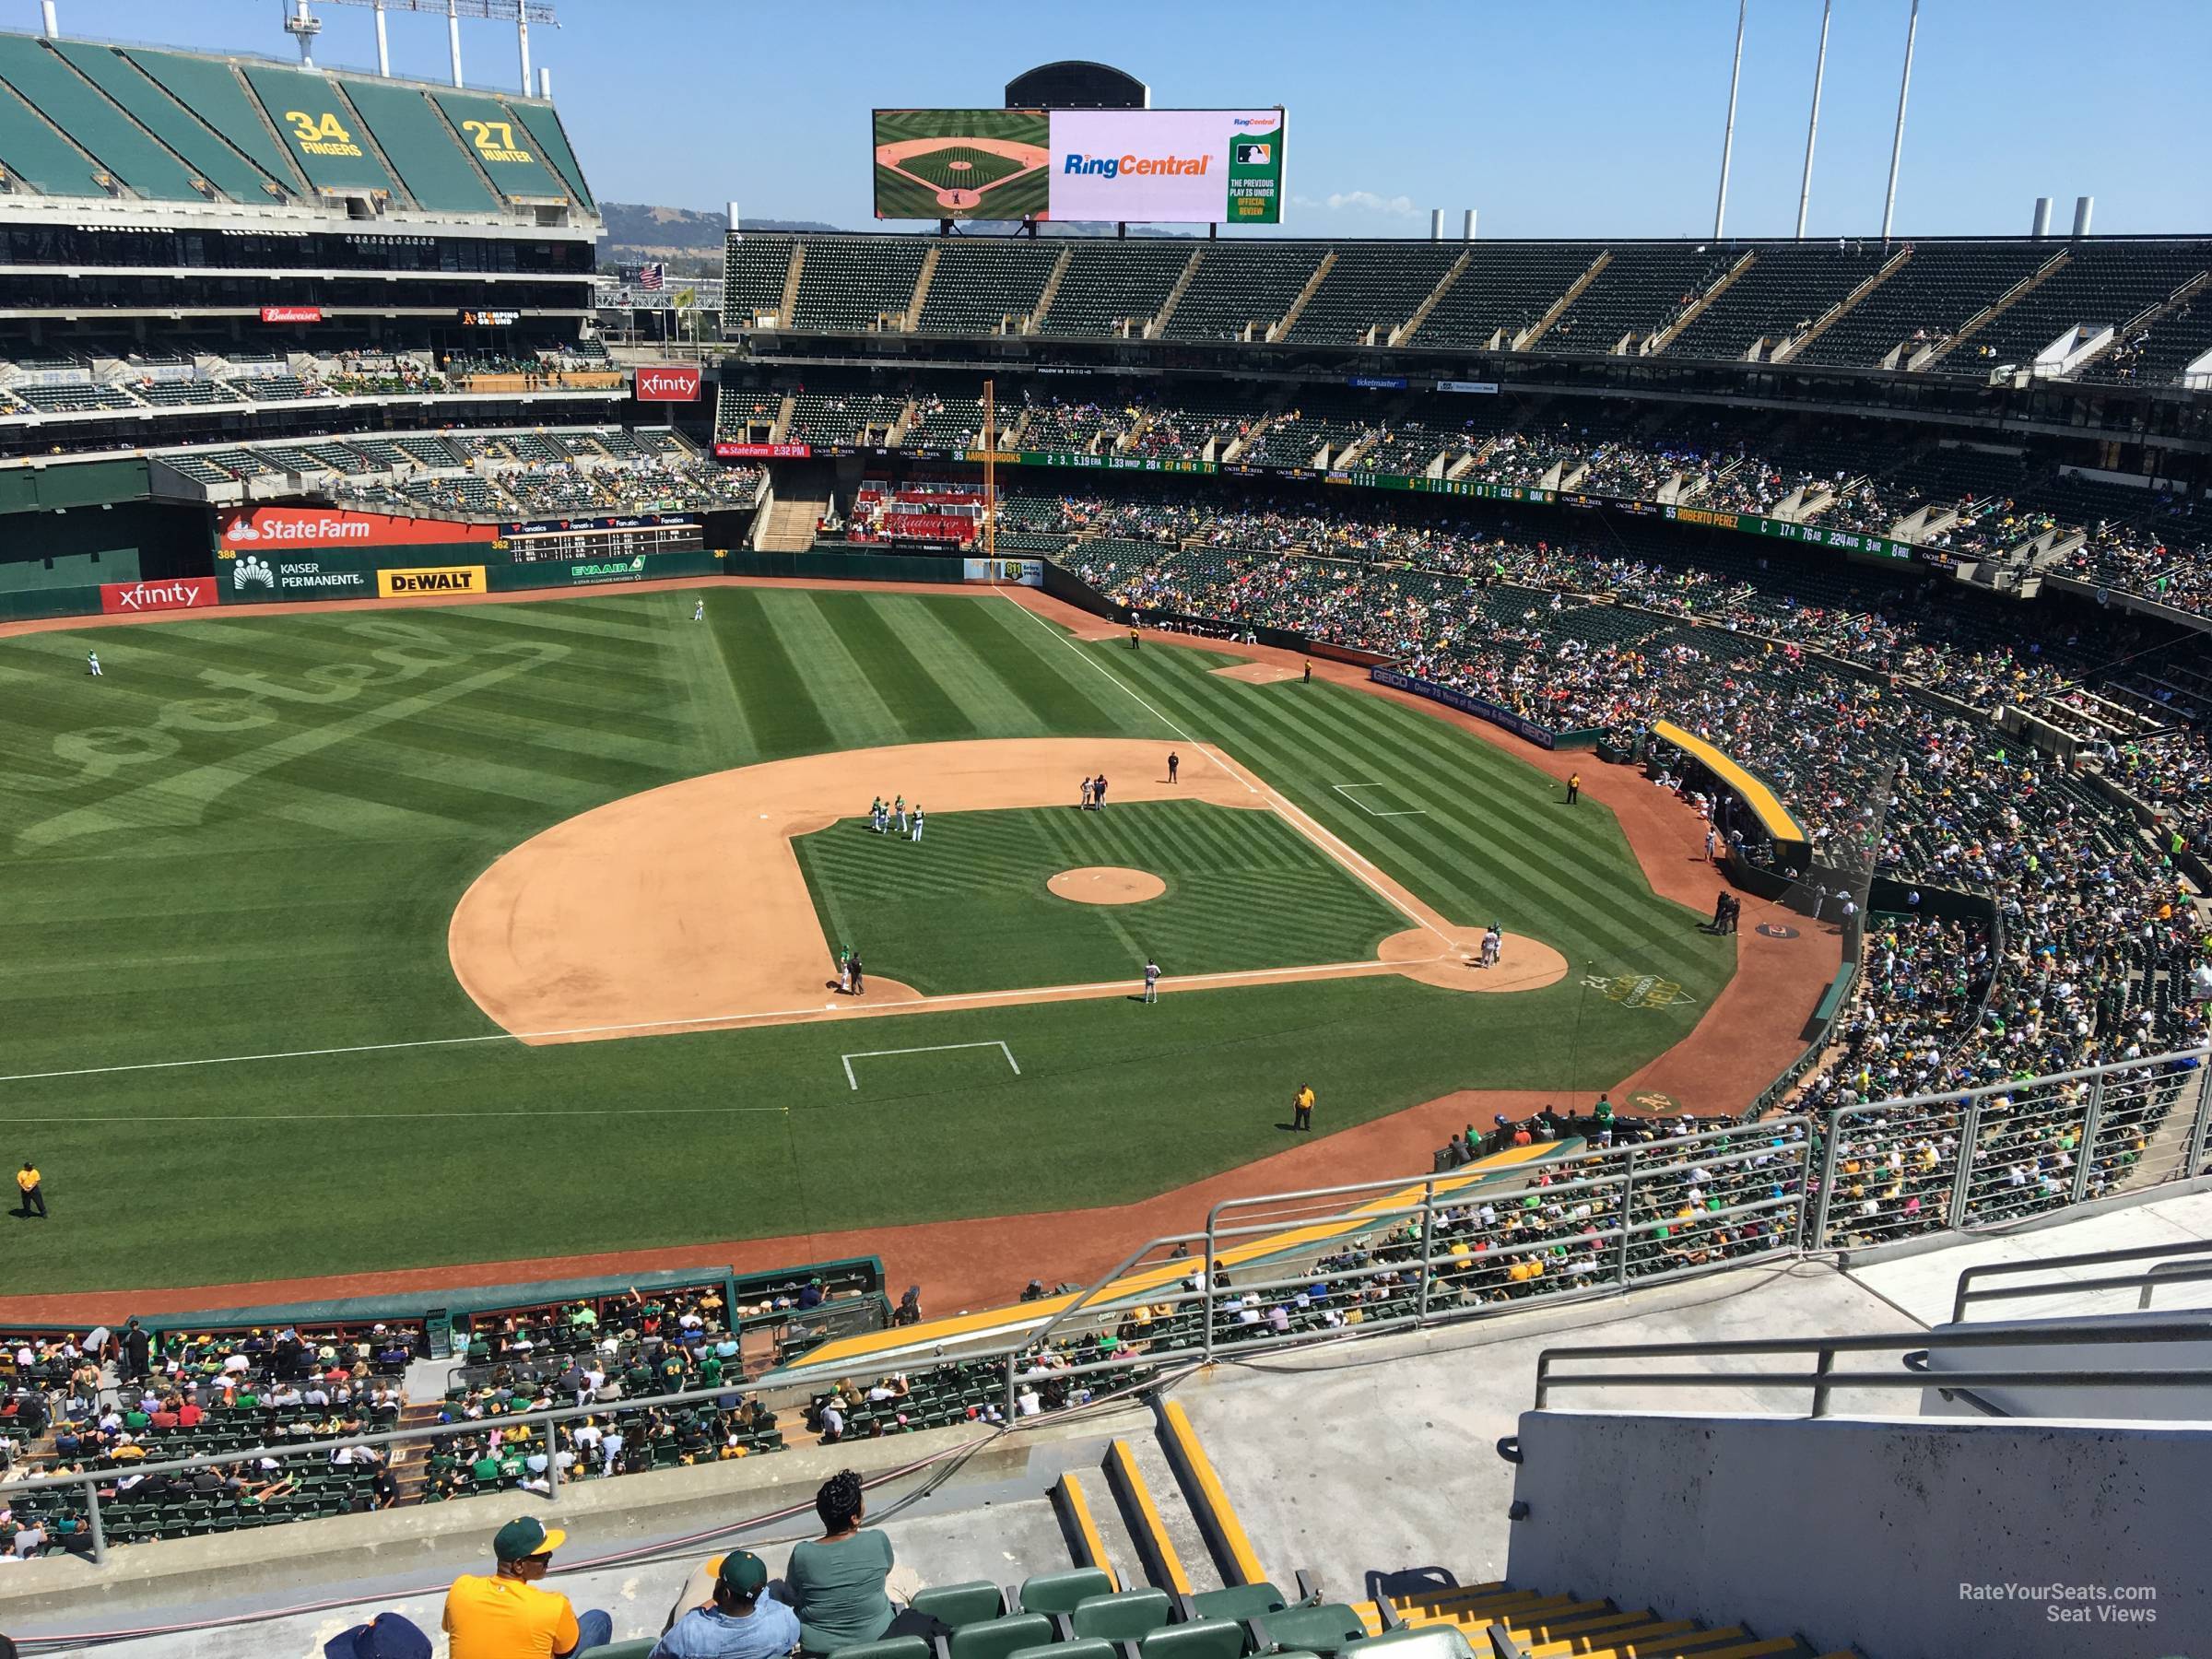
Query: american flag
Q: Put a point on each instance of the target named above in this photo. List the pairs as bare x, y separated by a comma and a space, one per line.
653, 277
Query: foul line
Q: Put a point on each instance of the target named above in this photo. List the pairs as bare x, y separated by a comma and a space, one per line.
1344, 853
1345, 790
1013, 997
934, 1048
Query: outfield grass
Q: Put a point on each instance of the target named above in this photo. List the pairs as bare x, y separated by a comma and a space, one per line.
1244, 891
248, 838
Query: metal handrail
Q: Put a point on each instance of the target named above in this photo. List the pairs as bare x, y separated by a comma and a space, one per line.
1824, 1379
1966, 1293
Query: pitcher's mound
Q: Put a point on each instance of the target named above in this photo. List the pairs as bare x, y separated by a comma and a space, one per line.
1105, 884
1256, 674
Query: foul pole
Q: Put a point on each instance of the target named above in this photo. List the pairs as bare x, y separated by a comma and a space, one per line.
991, 479
1720, 205
1896, 144
1812, 126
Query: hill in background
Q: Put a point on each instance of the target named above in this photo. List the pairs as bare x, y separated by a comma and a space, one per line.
636, 230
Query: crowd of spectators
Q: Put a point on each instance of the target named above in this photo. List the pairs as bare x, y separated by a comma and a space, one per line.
1870, 713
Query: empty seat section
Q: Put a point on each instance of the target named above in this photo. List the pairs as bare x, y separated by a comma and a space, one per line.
986, 286
33, 152
1924, 300
2102, 283
543, 121
856, 283
1788, 286
1644, 286
1372, 286
1110, 283
1242, 288
1506, 286
167, 120
754, 270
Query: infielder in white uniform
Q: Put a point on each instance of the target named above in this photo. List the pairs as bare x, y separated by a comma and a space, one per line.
917, 821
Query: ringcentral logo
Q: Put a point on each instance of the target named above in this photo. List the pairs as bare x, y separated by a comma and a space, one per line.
1136, 167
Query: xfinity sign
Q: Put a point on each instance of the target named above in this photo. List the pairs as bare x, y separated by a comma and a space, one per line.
668, 382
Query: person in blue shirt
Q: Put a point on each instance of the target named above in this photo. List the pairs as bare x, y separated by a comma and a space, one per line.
740, 1623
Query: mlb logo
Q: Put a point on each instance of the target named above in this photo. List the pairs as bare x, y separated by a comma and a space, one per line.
1251, 152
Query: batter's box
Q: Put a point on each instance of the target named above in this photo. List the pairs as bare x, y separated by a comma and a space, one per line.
894, 1066
1379, 800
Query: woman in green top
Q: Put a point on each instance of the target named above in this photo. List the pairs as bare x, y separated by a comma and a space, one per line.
836, 1580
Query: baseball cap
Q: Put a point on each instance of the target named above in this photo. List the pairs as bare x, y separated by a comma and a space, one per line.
387, 1635
743, 1573
524, 1537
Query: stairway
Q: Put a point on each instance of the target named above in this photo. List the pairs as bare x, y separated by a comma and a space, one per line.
1529, 337
789, 524
1673, 331
1936, 351
1182, 283
790, 298
1035, 320
1399, 336
911, 318
1277, 330
411, 1463
1533, 1623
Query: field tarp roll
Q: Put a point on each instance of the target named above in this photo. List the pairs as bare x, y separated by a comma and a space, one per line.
1483, 708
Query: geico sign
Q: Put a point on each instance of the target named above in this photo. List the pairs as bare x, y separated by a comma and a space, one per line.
445, 579
183, 594
679, 384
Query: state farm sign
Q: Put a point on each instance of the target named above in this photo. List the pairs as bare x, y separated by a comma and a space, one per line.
728, 449
281, 527
668, 382
119, 598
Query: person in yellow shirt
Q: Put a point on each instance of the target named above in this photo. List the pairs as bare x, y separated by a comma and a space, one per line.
1302, 1108
34, 1201
507, 1615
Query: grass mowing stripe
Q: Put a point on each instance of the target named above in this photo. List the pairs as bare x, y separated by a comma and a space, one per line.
1068, 696
986, 684
914, 697
841, 686
787, 720
1287, 736
719, 734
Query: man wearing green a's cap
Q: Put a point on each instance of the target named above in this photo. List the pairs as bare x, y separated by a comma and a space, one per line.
740, 1623
507, 1615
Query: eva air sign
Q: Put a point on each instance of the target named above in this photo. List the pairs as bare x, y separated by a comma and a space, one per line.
612, 569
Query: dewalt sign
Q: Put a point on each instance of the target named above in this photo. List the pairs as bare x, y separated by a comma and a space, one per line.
444, 579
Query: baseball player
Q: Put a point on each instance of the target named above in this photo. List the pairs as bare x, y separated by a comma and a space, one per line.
1151, 980
1493, 946
875, 814
899, 813
92, 659
917, 821
1174, 760
699, 609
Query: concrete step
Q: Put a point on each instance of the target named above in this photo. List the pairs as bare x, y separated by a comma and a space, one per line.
1153, 1512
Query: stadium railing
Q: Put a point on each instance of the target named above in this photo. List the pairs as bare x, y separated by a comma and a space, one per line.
1574, 1222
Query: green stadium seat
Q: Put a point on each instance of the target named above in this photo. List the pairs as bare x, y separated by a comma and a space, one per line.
1062, 1592
998, 1638
1201, 1639
640, 1648
894, 1647
1238, 1601
1128, 1617
1093, 1649
960, 1605
1323, 1629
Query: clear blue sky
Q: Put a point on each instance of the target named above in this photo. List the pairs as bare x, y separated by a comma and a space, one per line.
1552, 117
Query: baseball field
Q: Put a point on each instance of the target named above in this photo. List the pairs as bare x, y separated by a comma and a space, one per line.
369, 939
961, 164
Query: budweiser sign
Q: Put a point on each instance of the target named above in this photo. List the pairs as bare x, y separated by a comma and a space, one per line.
727, 450
283, 528
668, 382
291, 313
185, 592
